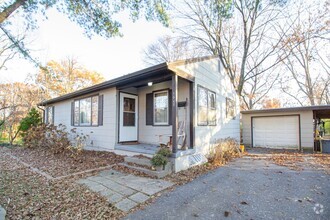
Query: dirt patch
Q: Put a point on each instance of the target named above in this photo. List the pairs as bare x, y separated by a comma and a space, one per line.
27, 195
62, 164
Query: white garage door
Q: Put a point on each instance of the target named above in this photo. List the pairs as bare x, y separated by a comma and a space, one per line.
276, 132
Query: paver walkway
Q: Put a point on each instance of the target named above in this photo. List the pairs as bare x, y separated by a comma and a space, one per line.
124, 191
2, 213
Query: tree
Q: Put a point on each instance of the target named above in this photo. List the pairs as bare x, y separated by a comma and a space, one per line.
307, 63
94, 16
268, 103
33, 118
59, 78
243, 33
167, 49
16, 99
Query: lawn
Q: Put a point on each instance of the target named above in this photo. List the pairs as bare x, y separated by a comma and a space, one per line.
63, 164
28, 195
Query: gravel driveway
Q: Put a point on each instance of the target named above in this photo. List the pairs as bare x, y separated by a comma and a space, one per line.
246, 188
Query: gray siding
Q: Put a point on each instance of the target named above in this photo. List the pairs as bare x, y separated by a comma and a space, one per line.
102, 136
207, 75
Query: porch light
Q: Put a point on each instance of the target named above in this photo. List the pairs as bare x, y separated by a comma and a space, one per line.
149, 83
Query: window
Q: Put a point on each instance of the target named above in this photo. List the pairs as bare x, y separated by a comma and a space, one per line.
206, 106
86, 112
161, 110
129, 112
230, 108
49, 115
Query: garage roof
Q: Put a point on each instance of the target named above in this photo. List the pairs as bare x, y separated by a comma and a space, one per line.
322, 111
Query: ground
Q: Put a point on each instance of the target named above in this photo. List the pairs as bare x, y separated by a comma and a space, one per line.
247, 188
38, 185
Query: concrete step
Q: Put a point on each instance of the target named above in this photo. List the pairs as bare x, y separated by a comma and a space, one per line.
139, 160
155, 173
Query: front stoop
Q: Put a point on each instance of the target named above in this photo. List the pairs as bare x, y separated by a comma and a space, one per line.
146, 162
2, 213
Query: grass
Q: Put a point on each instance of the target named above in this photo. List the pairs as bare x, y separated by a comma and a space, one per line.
5, 141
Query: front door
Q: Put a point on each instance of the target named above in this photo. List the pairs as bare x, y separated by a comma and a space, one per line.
128, 119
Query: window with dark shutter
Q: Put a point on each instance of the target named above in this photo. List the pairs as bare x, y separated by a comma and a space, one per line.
149, 109
87, 111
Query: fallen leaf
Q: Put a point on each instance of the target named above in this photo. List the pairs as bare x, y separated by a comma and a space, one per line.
226, 213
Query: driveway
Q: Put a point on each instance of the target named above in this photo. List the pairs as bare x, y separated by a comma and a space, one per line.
246, 188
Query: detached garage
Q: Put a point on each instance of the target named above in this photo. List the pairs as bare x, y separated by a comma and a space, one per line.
290, 128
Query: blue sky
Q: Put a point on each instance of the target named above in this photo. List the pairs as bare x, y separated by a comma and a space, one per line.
58, 37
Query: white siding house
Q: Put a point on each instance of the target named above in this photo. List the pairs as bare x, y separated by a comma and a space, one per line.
142, 107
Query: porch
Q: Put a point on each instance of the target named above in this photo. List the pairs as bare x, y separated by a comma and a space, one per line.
155, 109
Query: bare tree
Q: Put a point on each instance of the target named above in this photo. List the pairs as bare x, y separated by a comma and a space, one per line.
243, 33
307, 65
167, 49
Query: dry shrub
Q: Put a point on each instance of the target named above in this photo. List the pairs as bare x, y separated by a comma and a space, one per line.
224, 150
55, 138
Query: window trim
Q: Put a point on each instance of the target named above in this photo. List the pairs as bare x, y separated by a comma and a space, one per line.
52, 107
207, 107
168, 110
91, 113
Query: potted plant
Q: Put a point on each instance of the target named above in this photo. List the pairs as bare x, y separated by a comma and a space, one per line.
159, 162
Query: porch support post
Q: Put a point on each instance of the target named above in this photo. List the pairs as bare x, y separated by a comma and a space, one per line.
174, 113
191, 114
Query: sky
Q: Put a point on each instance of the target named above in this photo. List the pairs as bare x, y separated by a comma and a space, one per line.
57, 38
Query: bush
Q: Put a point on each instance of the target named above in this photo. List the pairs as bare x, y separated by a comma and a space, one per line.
159, 160
33, 118
56, 139
224, 150
165, 152
53, 137
78, 142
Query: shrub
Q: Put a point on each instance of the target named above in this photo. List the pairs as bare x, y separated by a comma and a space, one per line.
165, 152
53, 137
224, 150
78, 142
33, 118
159, 160
56, 139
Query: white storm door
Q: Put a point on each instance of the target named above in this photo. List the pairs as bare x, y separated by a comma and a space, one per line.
128, 117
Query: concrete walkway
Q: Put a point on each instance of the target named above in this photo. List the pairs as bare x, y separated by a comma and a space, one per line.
124, 191
2, 213
246, 189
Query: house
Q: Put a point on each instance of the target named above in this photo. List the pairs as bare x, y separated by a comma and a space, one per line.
137, 111
291, 128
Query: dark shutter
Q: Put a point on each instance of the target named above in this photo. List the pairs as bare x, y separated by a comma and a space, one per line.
72, 113
100, 112
170, 104
53, 114
149, 109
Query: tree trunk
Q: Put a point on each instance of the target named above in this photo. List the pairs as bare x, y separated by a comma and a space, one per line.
10, 9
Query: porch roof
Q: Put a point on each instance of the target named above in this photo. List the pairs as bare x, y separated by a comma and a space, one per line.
160, 72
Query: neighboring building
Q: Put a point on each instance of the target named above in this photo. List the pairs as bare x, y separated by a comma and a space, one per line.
193, 97
292, 128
